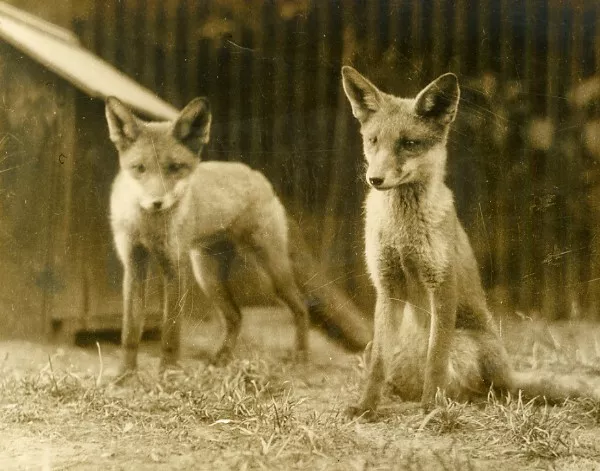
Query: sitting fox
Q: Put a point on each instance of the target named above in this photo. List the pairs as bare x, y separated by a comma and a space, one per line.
168, 205
433, 330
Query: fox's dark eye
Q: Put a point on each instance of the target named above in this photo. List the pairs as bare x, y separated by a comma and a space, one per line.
139, 168
373, 140
175, 167
410, 143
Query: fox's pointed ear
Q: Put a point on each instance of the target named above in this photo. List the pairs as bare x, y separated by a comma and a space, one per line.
192, 127
123, 126
364, 97
439, 99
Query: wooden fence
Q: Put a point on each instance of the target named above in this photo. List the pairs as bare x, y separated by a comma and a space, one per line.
523, 181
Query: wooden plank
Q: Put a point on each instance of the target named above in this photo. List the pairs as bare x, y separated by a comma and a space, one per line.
503, 223
192, 56
129, 15
416, 33
321, 159
150, 49
279, 146
338, 177
461, 45
573, 259
576, 45
301, 153
236, 51
61, 13
552, 273
104, 328
169, 43
84, 14
527, 266
257, 98
109, 30
505, 40
597, 38
59, 262
394, 7
484, 53
439, 27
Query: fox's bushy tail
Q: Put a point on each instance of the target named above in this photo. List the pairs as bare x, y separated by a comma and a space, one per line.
556, 387
330, 308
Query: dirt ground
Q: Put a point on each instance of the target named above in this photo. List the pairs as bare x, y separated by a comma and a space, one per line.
58, 409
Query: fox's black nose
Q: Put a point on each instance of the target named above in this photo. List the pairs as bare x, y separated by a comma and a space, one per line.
157, 204
376, 181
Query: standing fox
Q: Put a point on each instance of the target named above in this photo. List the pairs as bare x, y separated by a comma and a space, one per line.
432, 326
166, 204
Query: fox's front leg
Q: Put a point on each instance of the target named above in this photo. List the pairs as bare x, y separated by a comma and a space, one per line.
441, 333
385, 325
174, 298
135, 264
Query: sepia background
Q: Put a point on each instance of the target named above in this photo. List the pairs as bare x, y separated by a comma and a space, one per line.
524, 152
524, 167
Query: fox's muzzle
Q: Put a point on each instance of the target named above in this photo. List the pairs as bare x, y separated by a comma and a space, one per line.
155, 205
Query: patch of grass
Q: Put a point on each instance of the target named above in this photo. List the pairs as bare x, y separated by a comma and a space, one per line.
249, 402
537, 431
528, 429
263, 412
448, 416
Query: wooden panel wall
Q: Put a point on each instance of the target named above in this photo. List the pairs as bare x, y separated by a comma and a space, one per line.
272, 71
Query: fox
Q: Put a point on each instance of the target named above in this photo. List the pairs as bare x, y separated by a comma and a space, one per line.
433, 332
167, 204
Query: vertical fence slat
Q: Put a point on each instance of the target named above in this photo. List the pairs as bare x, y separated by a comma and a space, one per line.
170, 45
460, 42
235, 47
528, 274
257, 101
574, 263
439, 25
109, 49
551, 297
503, 221
335, 187
484, 27
149, 40
576, 44
319, 164
417, 40
133, 44
597, 38
280, 151
192, 56
300, 150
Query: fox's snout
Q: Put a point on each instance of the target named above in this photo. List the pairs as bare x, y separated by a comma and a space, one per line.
155, 204
385, 174
382, 182
156, 195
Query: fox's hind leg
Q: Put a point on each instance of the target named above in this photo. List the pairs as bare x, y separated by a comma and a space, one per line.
274, 256
211, 269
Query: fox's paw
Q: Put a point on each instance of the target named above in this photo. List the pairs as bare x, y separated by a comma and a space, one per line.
124, 375
300, 356
359, 412
222, 358
295, 356
427, 406
169, 369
